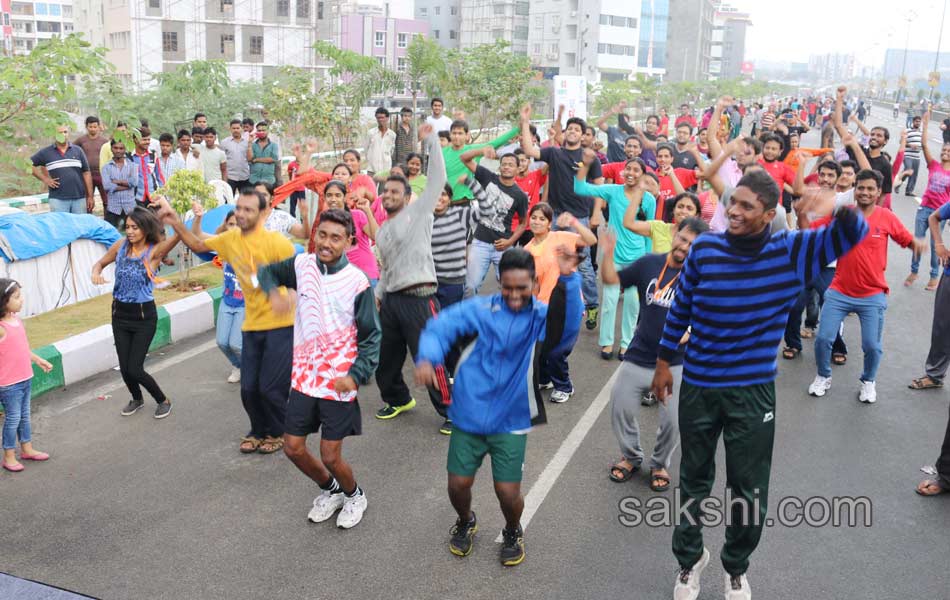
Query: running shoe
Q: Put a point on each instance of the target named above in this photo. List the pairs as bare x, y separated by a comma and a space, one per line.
460, 544
132, 407
737, 588
446, 428
687, 582
235, 376
353, 509
560, 397
325, 505
590, 317
512, 547
820, 386
163, 409
389, 411
868, 392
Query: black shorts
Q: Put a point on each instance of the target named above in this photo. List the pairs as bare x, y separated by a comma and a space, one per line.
787, 199
305, 415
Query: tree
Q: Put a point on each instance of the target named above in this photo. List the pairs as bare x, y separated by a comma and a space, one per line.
303, 111
358, 79
425, 68
182, 189
35, 91
490, 83
609, 94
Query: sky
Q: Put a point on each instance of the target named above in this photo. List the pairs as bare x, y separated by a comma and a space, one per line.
866, 28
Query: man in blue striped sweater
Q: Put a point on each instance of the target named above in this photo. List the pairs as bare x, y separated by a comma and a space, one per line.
735, 293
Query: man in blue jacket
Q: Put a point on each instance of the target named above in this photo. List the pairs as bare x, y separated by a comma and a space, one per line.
496, 397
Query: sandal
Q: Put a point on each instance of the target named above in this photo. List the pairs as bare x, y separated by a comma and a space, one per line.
925, 383
807, 332
270, 445
791, 353
839, 359
249, 445
931, 487
664, 481
910, 280
625, 473
932, 285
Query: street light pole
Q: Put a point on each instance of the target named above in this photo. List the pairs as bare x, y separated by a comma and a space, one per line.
903, 80
939, 39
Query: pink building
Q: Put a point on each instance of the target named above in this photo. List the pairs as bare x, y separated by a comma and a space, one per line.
6, 29
385, 39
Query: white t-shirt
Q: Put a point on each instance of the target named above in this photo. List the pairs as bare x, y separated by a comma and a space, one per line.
280, 221
443, 123
211, 162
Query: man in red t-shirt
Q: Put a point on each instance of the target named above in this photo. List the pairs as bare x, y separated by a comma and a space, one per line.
859, 287
530, 183
685, 117
665, 173
613, 172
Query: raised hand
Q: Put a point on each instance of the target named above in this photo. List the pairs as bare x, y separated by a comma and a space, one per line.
525, 112
566, 259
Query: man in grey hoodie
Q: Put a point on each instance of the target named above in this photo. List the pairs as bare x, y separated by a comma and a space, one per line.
407, 286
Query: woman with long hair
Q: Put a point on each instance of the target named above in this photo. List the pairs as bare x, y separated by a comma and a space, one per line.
134, 315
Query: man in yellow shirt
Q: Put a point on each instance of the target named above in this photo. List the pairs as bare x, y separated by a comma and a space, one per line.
268, 339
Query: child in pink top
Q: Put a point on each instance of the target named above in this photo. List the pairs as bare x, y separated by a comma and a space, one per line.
16, 375
364, 221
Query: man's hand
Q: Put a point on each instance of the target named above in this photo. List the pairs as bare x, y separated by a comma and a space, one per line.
566, 259
489, 153
942, 254
662, 381
425, 130
920, 246
282, 301
51, 182
197, 209
724, 103
525, 112
90, 204
648, 184
344, 385
502, 244
425, 374
589, 156
462, 178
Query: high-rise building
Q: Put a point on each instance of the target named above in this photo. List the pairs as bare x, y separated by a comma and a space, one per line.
831, 67
919, 64
690, 39
728, 42
487, 21
601, 40
254, 37
31, 22
6, 29
444, 19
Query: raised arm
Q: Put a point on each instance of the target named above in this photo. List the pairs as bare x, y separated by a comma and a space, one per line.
630, 220
712, 132
568, 221
839, 108
614, 110
527, 141
812, 249
925, 122
435, 175
168, 216
608, 269
798, 187
859, 156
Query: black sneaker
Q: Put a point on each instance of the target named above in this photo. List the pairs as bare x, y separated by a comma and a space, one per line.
163, 410
462, 536
446, 428
512, 547
648, 399
132, 407
590, 317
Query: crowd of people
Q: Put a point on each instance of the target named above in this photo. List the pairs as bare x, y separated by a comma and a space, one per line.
714, 241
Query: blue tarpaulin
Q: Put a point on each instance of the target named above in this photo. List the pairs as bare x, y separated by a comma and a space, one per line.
24, 236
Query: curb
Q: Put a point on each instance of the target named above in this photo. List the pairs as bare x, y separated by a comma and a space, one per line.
92, 352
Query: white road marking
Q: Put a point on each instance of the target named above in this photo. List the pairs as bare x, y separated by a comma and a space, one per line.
116, 382
554, 468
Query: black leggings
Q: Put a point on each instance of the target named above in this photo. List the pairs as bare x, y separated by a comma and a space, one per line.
133, 327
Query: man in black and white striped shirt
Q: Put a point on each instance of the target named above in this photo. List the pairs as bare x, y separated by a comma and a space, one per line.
912, 155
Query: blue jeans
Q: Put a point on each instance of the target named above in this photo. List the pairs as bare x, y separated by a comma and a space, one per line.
16, 405
586, 269
228, 329
921, 227
481, 256
914, 165
870, 311
793, 327
76, 206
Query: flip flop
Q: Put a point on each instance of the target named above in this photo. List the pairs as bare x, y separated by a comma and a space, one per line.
625, 473
839, 359
910, 280
791, 353
930, 483
918, 384
932, 285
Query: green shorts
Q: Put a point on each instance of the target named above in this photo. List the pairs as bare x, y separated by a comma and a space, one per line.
507, 450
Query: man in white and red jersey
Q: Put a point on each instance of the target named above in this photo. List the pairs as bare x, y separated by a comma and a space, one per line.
336, 350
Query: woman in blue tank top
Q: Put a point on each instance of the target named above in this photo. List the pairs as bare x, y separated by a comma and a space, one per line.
134, 315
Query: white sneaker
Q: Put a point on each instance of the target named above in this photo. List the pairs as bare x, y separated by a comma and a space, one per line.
325, 505
235, 376
559, 397
819, 386
352, 512
743, 592
687, 581
868, 393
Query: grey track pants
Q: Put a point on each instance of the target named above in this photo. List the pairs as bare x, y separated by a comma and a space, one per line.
632, 382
